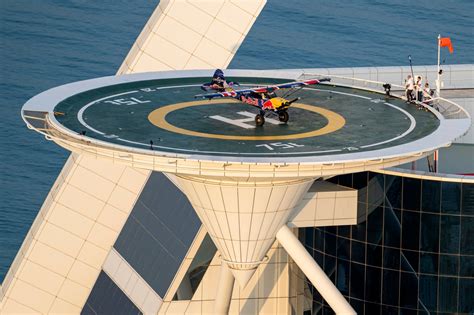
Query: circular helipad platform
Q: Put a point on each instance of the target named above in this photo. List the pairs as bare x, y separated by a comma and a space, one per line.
326, 120
155, 120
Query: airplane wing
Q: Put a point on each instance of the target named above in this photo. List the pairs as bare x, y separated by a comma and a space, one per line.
264, 89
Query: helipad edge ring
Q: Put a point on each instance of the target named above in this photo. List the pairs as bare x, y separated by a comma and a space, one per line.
158, 118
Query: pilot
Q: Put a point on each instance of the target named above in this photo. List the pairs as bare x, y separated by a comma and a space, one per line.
218, 81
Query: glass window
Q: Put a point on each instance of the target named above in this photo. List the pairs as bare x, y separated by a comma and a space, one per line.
431, 197
451, 197
428, 293
448, 294
343, 248
318, 239
358, 231
389, 310
393, 191
408, 290
467, 236
467, 266
329, 265
468, 199
360, 180
409, 260
345, 180
343, 276
466, 292
374, 255
410, 230
330, 244
449, 265
107, 298
392, 228
357, 305
390, 286
429, 263
375, 226
411, 193
376, 194
358, 252
429, 236
391, 258
344, 231
450, 226
357, 280
373, 281
373, 308
308, 235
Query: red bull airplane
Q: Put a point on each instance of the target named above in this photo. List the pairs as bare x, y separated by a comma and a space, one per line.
264, 98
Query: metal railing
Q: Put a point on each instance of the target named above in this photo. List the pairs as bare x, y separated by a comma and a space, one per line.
447, 108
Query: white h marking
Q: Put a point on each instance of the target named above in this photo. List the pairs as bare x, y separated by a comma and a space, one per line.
242, 122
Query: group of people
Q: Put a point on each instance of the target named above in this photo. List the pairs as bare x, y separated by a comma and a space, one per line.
415, 91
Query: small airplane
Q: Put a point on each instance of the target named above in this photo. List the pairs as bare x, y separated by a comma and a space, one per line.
264, 98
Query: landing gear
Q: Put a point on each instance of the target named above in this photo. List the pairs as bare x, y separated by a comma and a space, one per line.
283, 116
259, 120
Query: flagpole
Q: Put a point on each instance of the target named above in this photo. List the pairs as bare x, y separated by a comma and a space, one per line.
438, 80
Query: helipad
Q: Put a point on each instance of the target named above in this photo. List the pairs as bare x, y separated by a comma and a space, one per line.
158, 114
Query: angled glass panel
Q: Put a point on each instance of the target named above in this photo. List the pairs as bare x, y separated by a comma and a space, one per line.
393, 191
375, 226
390, 287
448, 294
196, 270
373, 283
449, 265
429, 263
408, 290
428, 294
107, 298
357, 280
466, 292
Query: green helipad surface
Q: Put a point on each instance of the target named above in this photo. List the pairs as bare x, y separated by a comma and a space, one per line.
326, 120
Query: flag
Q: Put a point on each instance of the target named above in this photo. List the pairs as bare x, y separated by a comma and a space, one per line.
446, 42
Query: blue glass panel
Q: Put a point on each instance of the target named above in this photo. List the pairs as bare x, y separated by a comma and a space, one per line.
449, 265
330, 265
448, 294
450, 197
409, 260
343, 248
408, 290
392, 228
391, 258
357, 280
318, 239
373, 284
467, 266
344, 231
375, 226
107, 298
376, 189
358, 231
410, 230
374, 255
429, 263
343, 276
358, 252
330, 244
393, 191
431, 197
429, 292
429, 236
373, 308
467, 235
158, 232
467, 199
359, 181
390, 287
357, 305
466, 292
450, 231
345, 180
389, 310
411, 194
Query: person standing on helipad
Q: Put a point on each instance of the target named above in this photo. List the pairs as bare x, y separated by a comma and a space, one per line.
409, 85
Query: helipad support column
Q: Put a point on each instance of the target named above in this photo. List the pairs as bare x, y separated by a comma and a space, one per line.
243, 216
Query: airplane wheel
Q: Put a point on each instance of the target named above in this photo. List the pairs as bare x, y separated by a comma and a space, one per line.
259, 120
283, 116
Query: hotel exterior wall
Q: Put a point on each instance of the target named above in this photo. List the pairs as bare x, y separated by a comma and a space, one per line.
414, 253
